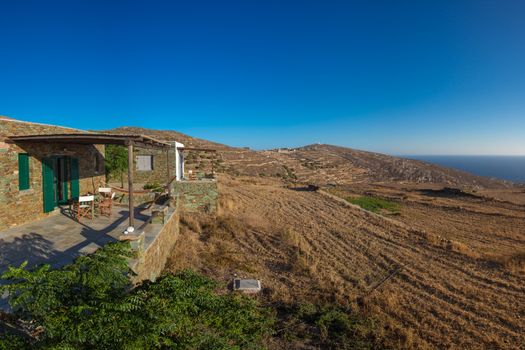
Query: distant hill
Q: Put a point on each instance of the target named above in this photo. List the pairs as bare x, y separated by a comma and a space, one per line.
325, 164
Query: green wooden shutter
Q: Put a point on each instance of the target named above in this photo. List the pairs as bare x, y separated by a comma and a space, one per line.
66, 178
75, 189
48, 185
23, 171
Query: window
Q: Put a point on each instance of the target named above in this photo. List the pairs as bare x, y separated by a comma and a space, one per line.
23, 171
97, 163
145, 163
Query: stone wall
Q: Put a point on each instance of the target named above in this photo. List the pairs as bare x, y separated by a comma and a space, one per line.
159, 174
197, 195
17, 207
154, 247
200, 163
139, 197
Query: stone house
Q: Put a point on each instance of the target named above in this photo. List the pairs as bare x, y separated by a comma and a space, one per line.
43, 166
36, 177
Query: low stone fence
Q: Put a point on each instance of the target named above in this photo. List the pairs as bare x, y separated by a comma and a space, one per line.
153, 243
139, 197
200, 195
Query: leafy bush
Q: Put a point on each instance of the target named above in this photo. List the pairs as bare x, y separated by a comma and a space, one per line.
331, 327
375, 204
289, 173
116, 162
154, 186
13, 342
90, 305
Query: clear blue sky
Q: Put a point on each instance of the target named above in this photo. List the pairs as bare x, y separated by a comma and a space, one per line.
400, 77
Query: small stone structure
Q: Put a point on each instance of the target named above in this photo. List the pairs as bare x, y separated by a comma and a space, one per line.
247, 285
197, 196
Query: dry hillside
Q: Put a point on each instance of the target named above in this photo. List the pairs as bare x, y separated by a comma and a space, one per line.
456, 264
325, 164
445, 269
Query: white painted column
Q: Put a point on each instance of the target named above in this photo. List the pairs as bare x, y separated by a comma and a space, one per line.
179, 162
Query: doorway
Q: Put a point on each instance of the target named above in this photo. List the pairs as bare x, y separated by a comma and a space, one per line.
62, 172
59, 181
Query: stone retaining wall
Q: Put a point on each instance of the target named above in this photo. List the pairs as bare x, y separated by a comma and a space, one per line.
139, 198
197, 195
154, 246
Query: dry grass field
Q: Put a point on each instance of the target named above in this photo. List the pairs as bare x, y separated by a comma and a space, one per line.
441, 264
448, 271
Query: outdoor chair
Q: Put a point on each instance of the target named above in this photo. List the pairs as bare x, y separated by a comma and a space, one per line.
105, 191
105, 205
84, 207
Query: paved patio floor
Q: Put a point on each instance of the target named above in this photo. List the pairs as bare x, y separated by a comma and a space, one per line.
59, 239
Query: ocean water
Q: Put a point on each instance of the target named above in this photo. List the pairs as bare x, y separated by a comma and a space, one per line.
504, 167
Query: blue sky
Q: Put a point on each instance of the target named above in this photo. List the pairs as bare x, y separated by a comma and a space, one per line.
399, 77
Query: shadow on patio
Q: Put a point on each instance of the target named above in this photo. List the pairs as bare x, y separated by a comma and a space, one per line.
59, 239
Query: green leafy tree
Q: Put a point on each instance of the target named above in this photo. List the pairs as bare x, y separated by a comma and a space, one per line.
116, 162
91, 304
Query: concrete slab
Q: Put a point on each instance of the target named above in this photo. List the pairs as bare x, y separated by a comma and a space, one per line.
247, 285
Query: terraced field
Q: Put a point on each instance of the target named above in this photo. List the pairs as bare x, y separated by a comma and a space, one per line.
431, 288
447, 271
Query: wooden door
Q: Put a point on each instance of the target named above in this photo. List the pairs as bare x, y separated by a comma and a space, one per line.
75, 187
48, 184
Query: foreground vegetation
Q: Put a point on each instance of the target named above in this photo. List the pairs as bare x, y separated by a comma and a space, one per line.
90, 305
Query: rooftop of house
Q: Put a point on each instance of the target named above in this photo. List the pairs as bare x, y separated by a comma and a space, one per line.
93, 138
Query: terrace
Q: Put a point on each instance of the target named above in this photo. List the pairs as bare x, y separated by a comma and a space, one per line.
58, 239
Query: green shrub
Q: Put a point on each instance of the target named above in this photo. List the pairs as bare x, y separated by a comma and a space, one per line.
90, 305
154, 186
116, 162
375, 204
13, 342
330, 327
289, 173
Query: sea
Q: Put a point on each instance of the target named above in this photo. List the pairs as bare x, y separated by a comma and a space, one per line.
503, 167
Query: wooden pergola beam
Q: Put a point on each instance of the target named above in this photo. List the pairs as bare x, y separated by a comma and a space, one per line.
93, 139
